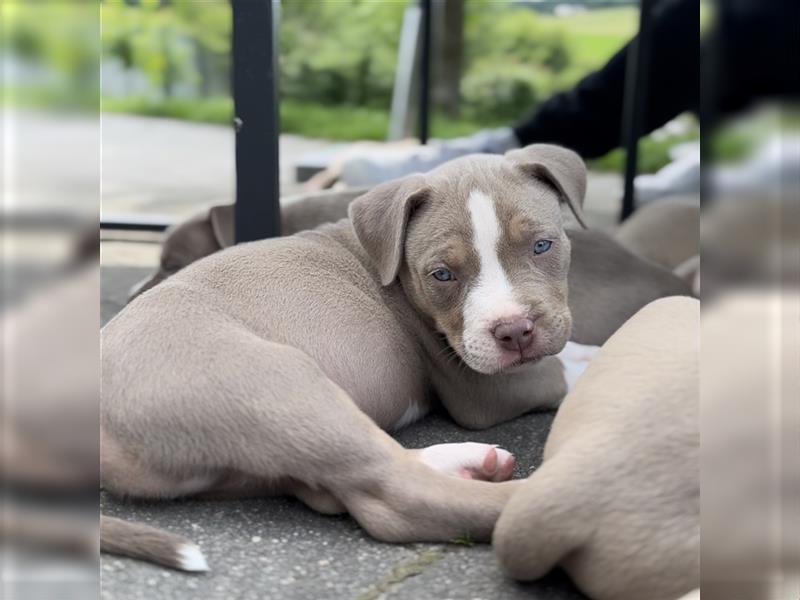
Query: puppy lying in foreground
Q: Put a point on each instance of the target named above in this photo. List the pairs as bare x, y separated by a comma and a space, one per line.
211, 230
607, 282
275, 367
616, 502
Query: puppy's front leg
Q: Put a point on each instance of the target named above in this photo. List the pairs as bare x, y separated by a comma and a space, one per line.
478, 401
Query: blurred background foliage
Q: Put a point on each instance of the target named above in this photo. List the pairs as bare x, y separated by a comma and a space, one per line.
50, 51
339, 58
172, 58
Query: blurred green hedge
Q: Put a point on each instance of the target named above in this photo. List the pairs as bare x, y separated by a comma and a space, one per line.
345, 53
338, 53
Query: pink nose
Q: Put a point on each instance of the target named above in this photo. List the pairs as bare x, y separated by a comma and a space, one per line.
516, 335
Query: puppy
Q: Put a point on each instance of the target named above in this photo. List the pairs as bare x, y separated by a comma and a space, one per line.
213, 229
607, 282
275, 367
616, 502
666, 232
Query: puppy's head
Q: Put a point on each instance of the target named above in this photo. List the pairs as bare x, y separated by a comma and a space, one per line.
190, 240
480, 250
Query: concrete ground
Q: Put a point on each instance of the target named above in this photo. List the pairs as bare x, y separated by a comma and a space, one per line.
276, 547
174, 168
168, 167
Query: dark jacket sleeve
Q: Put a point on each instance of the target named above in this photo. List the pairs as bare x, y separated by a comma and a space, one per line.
588, 118
752, 54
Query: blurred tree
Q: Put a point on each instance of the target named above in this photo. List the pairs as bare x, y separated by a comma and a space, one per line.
176, 41
150, 38
56, 36
209, 27
514, 59
340, 52
496, 59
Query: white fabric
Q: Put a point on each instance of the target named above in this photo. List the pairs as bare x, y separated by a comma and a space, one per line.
382, 164
681, 176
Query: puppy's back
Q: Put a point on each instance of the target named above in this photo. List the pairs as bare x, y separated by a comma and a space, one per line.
616, 502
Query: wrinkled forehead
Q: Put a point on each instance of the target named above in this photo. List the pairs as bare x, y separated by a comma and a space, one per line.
472, 192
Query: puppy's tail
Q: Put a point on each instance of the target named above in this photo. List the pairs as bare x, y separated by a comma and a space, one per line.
137, 540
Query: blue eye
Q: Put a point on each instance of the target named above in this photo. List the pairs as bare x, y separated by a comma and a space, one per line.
542, 246
443, 275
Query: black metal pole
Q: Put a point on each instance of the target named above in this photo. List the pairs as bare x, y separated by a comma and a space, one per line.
257, 126
635, 102
136, 223
425, 72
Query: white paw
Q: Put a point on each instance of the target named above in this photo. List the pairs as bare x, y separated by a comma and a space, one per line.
470, 460
575, 358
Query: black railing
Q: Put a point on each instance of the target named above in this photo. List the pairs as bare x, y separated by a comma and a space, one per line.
425, 71
635, 103
255, 97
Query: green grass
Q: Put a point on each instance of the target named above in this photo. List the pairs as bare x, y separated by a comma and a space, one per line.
464, 540
348, 123
52, 97
207, 110
620, 22
352, 123
341, 123
596, 35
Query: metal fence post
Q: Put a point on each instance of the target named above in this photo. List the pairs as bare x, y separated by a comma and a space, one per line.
255, 97
425, 72
635, 102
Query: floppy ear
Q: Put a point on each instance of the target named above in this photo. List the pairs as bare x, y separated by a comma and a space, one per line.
380, 218
562, 168
221, 218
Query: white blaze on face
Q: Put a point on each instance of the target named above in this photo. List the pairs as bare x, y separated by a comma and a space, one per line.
491, 298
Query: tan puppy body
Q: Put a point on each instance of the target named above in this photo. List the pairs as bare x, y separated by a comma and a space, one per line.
666, 232
616, 502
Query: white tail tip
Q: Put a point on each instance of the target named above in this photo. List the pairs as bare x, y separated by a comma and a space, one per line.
191, 559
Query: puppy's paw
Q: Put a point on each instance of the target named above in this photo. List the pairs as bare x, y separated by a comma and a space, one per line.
470, 460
